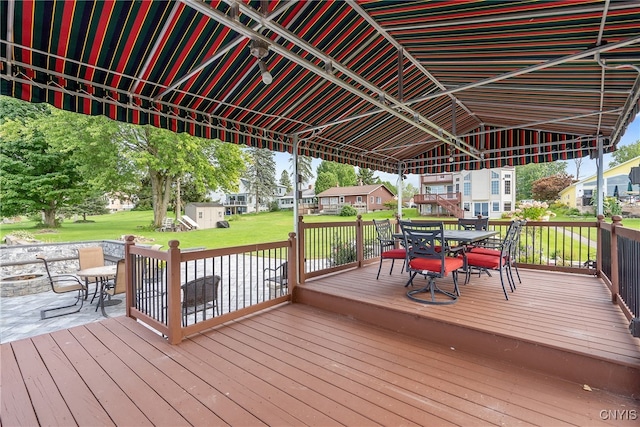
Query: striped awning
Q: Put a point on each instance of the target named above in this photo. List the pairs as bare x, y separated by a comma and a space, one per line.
422, 86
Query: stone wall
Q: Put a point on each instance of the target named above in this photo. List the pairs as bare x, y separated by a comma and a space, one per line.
21, 259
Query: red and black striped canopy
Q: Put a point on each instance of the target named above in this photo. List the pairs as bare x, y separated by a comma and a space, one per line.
426, 86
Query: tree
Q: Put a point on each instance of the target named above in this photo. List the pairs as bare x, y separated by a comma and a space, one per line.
325, 181
345, 174
261, 174
366, 177
304, 168
527, 174
578, 163
35, 176
548, 188
625, 153
93, 204
285, 181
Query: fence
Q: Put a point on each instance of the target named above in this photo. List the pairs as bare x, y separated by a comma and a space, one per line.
180, 293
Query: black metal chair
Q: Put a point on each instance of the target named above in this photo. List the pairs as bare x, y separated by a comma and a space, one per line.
473, 223
61, 284
199, 295
277, 278
113, 287
387, 244
428, 255
498, 258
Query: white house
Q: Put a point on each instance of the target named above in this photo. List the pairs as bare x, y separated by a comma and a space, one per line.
308, 202
467, 194
244, 201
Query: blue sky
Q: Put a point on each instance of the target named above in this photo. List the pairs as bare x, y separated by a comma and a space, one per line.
587, 168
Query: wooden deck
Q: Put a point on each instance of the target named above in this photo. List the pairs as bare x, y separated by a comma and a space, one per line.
558, 323
301, 365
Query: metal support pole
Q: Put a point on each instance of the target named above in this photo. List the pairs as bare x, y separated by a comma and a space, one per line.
600, 179
400, 172
296, 185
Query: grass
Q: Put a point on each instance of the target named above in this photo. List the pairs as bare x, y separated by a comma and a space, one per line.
244, 229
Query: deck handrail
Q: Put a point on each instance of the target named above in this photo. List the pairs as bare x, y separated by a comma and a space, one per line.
155, 278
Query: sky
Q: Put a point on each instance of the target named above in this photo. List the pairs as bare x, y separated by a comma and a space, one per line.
587, 168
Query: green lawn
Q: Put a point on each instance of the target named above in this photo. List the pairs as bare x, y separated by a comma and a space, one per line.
243, 230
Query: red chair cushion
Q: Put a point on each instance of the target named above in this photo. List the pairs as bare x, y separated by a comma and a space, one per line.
486, 251
434, 265
482, 260
394, 254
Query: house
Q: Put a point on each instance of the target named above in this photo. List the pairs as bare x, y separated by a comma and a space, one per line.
206, 215
118, 202
580, 194
308, 202
467, 194
364, 198
244, 201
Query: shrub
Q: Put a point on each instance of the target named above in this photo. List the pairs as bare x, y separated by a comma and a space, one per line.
274, 206
348, 210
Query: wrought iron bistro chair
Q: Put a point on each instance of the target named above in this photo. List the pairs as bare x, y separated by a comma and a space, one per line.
427, 254
60, 284
277, 278
387, 245
199, 295
499, 258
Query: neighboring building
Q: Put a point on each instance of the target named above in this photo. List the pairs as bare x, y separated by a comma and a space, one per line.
308, 202
245, 202
467, 194
364, 198
206, 215
580, 194
116, 204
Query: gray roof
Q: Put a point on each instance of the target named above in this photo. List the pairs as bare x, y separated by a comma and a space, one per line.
206, 205
355, 190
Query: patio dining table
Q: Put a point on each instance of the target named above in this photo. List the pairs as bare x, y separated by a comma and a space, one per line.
464, 237
104, 272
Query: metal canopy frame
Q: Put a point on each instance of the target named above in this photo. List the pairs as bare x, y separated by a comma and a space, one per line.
424, 86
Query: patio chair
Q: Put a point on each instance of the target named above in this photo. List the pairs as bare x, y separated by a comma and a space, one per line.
113, 287
89, 257
427, 255
199, 295
388, 248
498, 258
61, 284
473, 223
277, 278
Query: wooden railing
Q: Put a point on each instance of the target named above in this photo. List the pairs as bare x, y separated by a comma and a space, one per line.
449, 201
619, 267
155, 277
251, 278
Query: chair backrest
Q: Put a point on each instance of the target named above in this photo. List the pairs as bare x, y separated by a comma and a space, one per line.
120, 282
200, 291
46, 267
90, 257
383, 228
424, 239
478, 224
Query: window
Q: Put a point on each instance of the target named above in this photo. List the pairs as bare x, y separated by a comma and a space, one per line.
495, 187
379, 200
507, 206
358, 199
495, 206
467, 189
507, 187
467, 177
371, 199
466, 206
495, 175
341, 199
481, 209
199, 215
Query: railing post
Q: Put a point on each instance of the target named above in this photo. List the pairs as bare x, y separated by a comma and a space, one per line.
129, 300
615, 285
599, 247
293, 264
300, 249
174, 309
359, 241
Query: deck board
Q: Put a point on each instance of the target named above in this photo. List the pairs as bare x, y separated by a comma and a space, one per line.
571, 312
296, 364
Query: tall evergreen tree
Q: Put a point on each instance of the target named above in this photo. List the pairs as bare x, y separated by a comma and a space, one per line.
304, 168
261, 174
285, 181
366, 177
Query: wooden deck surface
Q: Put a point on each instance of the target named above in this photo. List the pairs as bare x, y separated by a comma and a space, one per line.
562, 310
300, 365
